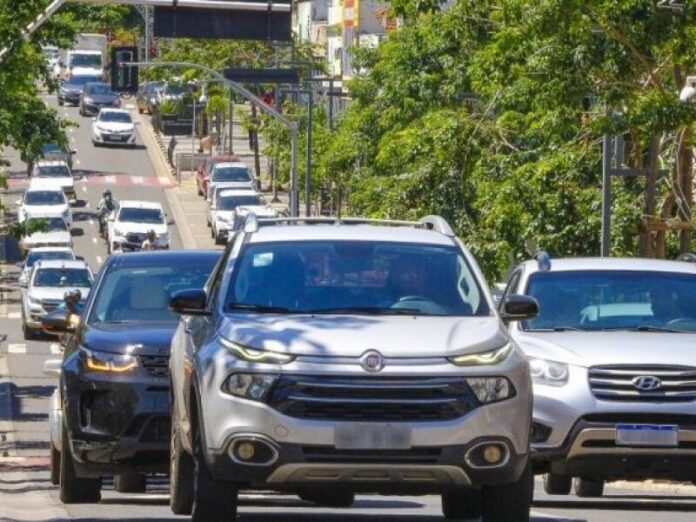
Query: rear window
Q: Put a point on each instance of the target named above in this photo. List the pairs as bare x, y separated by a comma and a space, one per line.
63, 277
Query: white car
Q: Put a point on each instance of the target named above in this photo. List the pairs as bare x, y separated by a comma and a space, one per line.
128, 226
39, 201
113, 127
51, 174
56, 235
222, 213
42, 253
230, 175
48, 283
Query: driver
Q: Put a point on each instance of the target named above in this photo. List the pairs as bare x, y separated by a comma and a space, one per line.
664, 304
150, 242
408, 277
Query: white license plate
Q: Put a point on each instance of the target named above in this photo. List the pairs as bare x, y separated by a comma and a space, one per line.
647, 435
370, 435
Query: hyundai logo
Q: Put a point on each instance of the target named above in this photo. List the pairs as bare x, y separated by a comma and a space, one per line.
372, 361
647, 383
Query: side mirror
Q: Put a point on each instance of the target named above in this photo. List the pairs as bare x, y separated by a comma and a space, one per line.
52, 367
23, 284
80, 258
73, 152
519, 308
57, 322
189, 302
18, 202
111, 218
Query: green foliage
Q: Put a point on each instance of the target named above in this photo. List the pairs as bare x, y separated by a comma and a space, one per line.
26, 228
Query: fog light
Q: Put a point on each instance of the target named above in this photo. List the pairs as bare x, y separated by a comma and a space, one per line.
492, 454
245, 450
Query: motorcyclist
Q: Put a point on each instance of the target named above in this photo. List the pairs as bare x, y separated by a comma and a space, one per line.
150, 242
107, 204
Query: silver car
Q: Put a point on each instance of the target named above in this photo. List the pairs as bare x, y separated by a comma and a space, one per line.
328, 357
614, 369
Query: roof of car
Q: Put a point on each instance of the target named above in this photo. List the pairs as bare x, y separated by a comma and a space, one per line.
117, 111
231, 164
42, 187
614, 263
133, 203
378, 233
229, 192
161, 257
52, 249
61, 263
222, 158
51, 163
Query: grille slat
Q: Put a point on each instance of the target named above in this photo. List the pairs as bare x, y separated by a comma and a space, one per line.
616, 383
155, 365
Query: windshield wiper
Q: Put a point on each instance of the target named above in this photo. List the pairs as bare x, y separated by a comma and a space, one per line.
643, 328
369, 310
260, 308
558, 329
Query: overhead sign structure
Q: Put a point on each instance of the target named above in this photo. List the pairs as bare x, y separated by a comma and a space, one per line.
241, 75
272, 24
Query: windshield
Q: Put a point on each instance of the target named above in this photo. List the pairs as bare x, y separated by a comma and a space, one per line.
613, 300
33, 257
174, 90
92, 61
44, 197
80, 81
231, 174
48, 148
52, 171
99, 88
141, 215
53, 223
152, 88
119, 117
232, 202
141, 294
360, 277
63, 277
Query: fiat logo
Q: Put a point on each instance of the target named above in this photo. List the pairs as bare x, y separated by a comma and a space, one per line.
647, 383
372, 361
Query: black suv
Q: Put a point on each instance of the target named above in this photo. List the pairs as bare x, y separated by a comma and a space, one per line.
114, 381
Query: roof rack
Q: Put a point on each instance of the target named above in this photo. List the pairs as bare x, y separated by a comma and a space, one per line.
435, 223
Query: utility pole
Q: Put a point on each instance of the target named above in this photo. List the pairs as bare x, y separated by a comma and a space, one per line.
606, 195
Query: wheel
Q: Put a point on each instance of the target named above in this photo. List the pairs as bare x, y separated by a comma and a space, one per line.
462, 504
508, 502
588, 488
130, 482
330, 499
61, 102
555, 484
29, 333
200, 192
212, 499
55, 465
181, 468
73, 489
108, 245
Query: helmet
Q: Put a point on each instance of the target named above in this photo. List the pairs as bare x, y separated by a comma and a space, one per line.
151, 235
107, 192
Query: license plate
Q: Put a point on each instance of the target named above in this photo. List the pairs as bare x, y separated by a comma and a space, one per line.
647, 435
114, 138
368, 436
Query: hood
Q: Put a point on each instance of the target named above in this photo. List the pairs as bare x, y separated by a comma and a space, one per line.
56, 293
102, 98
606, 348
53, 183
147, 338
56, 236
140, 228
114, 126
352, 335
44, 210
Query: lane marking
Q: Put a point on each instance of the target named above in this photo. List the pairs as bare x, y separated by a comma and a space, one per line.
94, 240
84, 188
77, 162
137, 179
110, 179
17, 348
91, 222
164, 180
14, 315
99, 260
55, 348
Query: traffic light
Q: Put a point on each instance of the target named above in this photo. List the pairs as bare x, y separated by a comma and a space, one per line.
124, 78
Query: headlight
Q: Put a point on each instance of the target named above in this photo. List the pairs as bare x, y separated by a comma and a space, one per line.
550, 373
483, 358
257, 356
33, 302
250, 385
107, 362
491, 389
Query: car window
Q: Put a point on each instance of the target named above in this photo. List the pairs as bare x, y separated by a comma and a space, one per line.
231, 174
52, 171
141, 215
44, 197
232, 202
511, 285
99, 88
33, 257
62, 277
118, 117
93, 61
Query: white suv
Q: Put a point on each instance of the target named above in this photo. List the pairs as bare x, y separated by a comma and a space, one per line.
54, 175
129, 224
44, 202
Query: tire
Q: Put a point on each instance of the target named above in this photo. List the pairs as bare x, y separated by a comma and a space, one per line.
181, 468
55, 465
130, 482
29, 333
462, 504
330, 499
212, 499
200, 192
588, 488
73, 489
555, 484
508, 502
61, 103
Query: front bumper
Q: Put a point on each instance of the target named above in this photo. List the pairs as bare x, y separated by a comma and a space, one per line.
114, 138
94, 108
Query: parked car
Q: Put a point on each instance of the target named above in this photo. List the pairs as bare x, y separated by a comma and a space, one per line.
39, 201
55, 152
349, 356
203, 173
46, 286
54, 175
614, 373
231, 175
221, 209
112, 415
95, 96
147, 96
71, 89
128, 226
42, 253
113, 127
55, 235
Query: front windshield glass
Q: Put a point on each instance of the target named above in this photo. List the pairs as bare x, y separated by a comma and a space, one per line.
118, 117
227, 174
44, 197
613, 300
355, 277
174, 90
141, 215
141, 294
99, 88
53, 224
232, 202
80, 81
48, 148
63, 277
33, 257
52, 171
93, 61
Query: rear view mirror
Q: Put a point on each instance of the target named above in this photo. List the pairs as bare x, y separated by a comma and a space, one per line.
519, 308
189, 302
52, 367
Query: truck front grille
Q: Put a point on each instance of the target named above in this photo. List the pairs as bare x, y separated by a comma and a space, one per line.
643, 383
372, 399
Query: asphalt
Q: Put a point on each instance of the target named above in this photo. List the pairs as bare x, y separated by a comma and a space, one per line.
25, 490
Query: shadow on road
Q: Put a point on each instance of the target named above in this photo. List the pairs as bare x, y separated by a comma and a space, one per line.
624, 503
